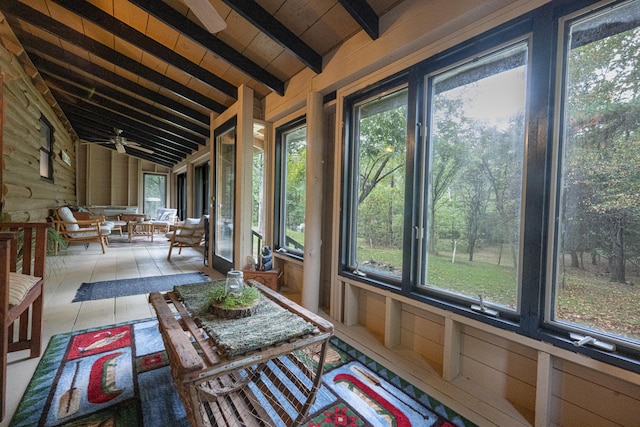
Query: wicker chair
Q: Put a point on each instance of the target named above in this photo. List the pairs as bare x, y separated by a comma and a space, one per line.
22, 275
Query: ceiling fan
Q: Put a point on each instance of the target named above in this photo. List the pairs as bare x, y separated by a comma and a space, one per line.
207, 14
121, 142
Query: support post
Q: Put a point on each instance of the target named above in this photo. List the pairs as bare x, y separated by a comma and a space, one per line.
313, 217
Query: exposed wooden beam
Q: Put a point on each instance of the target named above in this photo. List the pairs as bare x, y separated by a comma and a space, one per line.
183, 25
38, 48
120, 29
153, 157
364, 14
260, 18
96, 124
105, 106
62, 76
144, 130
27, 14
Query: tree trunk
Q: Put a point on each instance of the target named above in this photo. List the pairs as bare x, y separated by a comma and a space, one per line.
574, 259
616, 261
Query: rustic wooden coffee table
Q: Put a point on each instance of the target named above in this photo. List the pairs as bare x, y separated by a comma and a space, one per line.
140, 229
275, 382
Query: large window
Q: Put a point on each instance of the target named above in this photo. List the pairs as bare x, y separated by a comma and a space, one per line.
291, 180
377, 176
500, 179
225, 192
46, 149
597, 238
474, 170
154, 193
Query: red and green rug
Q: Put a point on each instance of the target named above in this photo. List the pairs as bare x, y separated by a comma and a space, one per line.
119, 376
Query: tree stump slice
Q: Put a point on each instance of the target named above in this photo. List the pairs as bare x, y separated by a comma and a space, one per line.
233, 313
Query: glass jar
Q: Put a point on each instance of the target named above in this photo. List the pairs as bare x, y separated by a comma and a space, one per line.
235, 283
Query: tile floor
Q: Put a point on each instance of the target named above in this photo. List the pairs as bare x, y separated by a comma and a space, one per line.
70, 268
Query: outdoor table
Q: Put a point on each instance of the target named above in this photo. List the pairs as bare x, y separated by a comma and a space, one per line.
228, 383
140, 228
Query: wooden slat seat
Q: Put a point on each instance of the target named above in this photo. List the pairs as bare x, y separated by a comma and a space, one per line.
22, 273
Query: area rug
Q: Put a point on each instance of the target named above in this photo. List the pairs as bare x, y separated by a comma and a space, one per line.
140, 285
119, 376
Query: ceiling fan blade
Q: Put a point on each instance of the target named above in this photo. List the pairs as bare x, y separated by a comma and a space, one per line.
207, 14
96, 142
120, 148
137, 146
145, 150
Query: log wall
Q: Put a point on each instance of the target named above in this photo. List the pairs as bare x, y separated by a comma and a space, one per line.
27, 197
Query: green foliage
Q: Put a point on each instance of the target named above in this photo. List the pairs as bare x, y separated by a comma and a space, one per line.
381, 170
601, 203
216, 294
54, 239
296, 179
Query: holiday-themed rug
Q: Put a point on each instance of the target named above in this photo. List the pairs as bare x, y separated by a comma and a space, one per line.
119, 376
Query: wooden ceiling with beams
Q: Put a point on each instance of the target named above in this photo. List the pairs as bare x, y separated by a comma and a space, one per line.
152, 70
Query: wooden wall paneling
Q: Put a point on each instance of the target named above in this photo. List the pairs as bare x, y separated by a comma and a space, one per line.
1, 145
543, 389
392, 322
451, 355
581, 391
351, 304
244, 174
133, 185
423, 333
89, 175
337, 300
119, 179
327, 206
292, 273
506, 372
500, 341
371, 313
100, 181
491, 408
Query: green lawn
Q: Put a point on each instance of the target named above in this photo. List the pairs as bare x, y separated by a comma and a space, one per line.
588, 298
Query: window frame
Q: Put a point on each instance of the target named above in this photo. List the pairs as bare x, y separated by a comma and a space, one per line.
559, 332
464, 300
542, 26
46, 148
163, 197
280, 179
201, 188
348, 267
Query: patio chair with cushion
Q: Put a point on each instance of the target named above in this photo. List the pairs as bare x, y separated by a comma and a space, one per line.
188, 235
23, 252
81, 231
84, 216
164, 219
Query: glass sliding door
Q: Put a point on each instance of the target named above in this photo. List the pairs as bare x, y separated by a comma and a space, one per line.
225, 196
182, 195
201, 190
